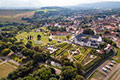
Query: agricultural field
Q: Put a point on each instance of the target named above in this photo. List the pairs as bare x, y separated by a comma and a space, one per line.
15, 15
5, 69
46, 10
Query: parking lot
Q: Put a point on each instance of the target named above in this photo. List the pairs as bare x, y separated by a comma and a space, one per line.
108, 68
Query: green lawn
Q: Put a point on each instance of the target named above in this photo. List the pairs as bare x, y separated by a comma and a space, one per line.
85, 54
62, 49
97, 76
61, 37
82, 50
66, 53
0, 61
117, 57
12, 63
44, 39
77, 57
5, 69
118, 52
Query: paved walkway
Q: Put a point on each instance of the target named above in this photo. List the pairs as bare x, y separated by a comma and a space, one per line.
8, 59
3, 62
116, 75
7, 63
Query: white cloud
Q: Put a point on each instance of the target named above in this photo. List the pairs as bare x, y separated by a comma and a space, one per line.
39, 3
69, 2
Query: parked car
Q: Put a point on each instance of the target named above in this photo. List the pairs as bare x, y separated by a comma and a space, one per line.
108, 67
105, 70
113, 61
111, 65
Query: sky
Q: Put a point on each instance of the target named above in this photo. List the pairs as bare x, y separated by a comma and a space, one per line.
41, 3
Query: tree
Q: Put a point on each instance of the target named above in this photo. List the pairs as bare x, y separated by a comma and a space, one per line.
36, 48
1, 37
5, 52
3, 45
53, 78
65, 61
42, 74
22, 71
12, 40
78, 67
38, 37
114, 44
14, 48
28, 78
102, 45
28, 52
40, 57
5, 40
87, 37
68, 37
79, 77
106, 32
88, 31
68, 73
29, 44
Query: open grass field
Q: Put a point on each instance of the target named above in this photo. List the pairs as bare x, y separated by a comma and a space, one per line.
118, 52
117, 57
97, 76
46, 10
60, 37
44, 39
5, 69
15, 15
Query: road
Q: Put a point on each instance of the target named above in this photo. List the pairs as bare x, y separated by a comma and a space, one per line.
101, 64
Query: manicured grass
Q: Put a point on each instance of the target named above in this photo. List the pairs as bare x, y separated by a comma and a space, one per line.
0, 61
82, 50
85, 54
66, 53
117, 57
5, 69
60, 45
12, 64
44, 39
61, 37
62, 49
118, 52
97, 76
77, 57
